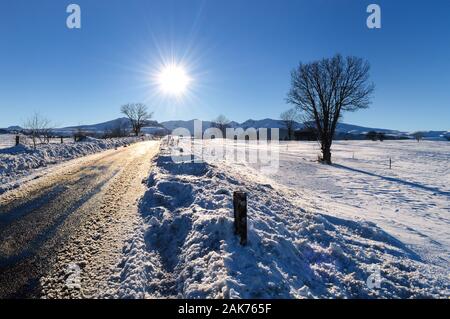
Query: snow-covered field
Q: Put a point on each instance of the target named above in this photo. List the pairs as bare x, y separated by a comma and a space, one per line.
6, 140
22, 161
411, 200
354, 229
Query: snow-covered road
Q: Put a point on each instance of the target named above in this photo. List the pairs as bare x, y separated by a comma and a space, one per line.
21, 163
74, 217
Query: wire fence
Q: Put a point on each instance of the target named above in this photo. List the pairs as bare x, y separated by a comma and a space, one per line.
10, 140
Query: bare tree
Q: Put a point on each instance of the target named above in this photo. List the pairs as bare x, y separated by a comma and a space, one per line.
46, 132
418, 136
119, 129
38, 128
372, 135
222, 123
138, 114
323, 89
289, 119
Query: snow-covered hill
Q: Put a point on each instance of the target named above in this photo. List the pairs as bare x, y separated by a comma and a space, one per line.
266, 123
435, 135
103, 127
172, 125
271, 123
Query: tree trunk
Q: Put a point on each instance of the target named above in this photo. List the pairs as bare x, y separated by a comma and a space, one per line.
326, 152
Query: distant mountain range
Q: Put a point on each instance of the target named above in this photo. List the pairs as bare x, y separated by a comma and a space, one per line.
343, 130
103, 127
271, 123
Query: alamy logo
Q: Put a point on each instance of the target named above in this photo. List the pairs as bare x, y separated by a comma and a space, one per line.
374, 19
74, 19
259, 147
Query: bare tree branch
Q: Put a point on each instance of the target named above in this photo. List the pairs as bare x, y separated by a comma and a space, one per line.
38, 128
289, 119
137, 114
324, 89
222, 123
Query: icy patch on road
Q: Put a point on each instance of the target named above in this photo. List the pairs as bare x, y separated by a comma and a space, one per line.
186, 247
21, 160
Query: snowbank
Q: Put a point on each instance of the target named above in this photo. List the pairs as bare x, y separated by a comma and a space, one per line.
185, 247
21, 160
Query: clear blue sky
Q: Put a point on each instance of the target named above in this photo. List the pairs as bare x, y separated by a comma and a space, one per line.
238, 52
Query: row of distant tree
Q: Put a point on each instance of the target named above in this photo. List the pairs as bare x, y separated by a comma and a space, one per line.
40, 129
309, 132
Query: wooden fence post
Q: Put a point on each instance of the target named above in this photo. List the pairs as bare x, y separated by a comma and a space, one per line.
240, 215
390, 163
17, 140
62, 140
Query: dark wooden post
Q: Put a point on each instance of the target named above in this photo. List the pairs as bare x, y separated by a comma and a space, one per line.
17, 140
390, 163
240, 215
62, 140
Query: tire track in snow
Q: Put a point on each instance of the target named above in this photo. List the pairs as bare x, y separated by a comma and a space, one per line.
47, 219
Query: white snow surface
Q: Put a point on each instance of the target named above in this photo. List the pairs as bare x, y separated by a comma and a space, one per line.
22, 160
410, 200
6, 140
315, 231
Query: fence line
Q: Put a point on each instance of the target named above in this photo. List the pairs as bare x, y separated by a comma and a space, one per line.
9, 140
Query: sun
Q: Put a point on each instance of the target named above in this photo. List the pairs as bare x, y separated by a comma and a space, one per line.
173, 80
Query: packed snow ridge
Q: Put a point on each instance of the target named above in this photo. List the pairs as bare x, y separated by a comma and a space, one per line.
186, 247
21, 160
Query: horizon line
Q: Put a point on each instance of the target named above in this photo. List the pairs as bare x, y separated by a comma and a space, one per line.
266, 118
